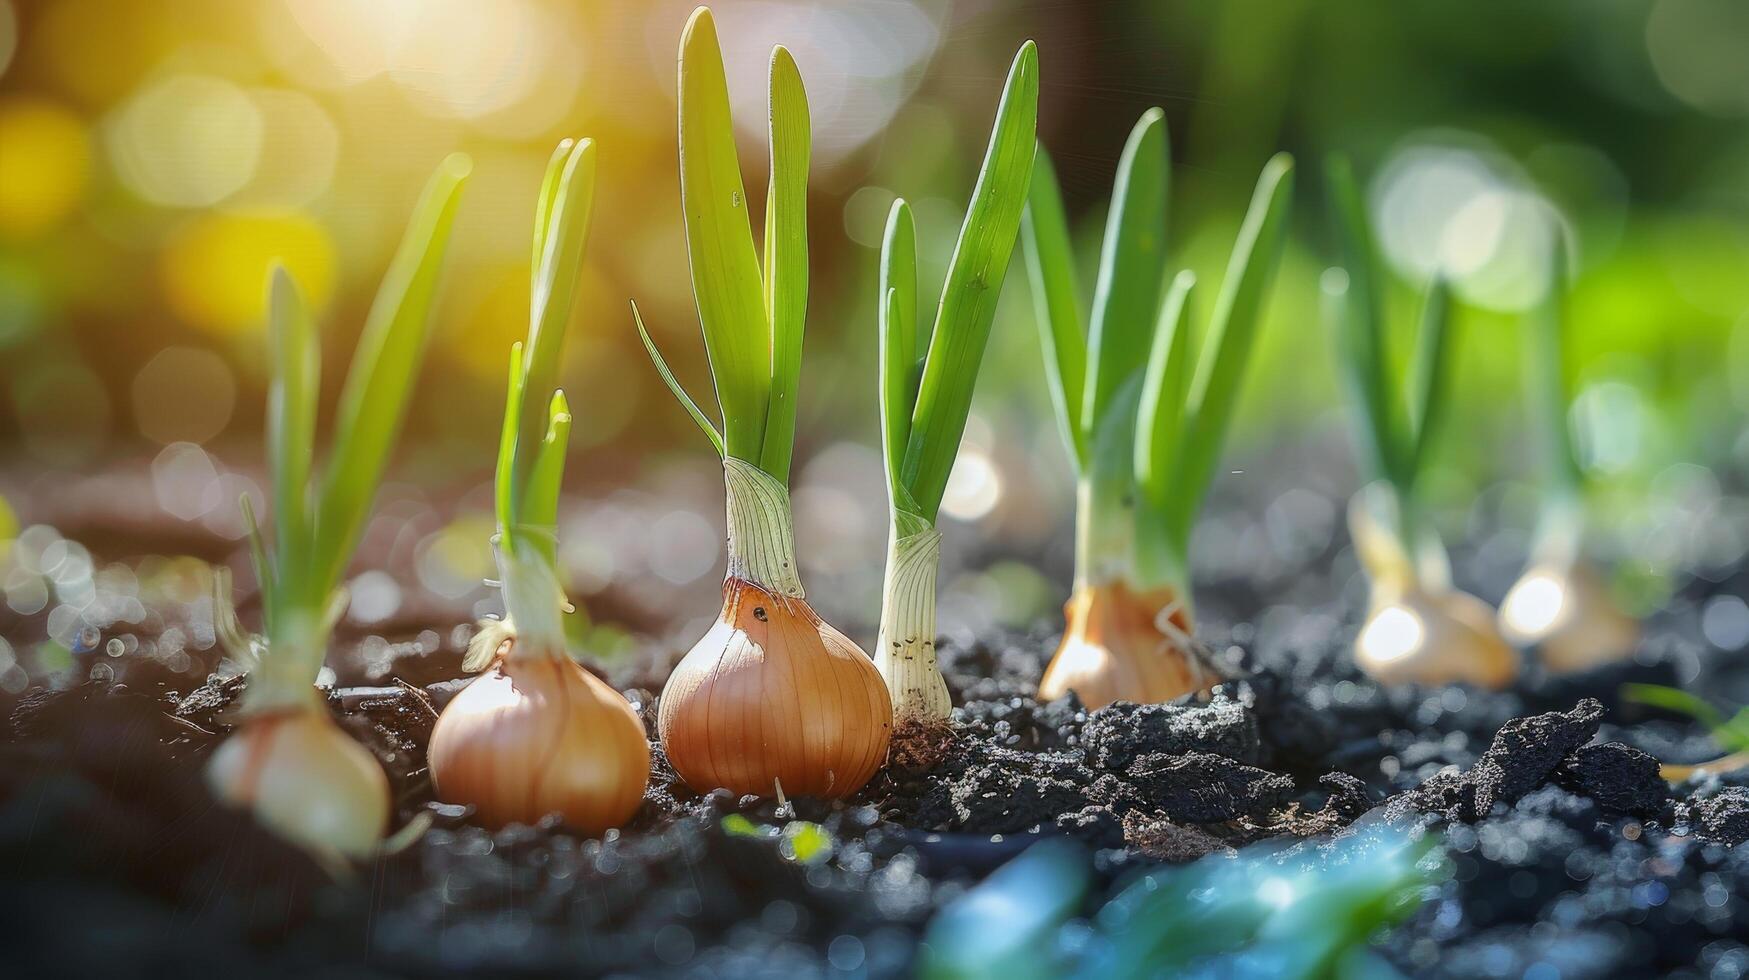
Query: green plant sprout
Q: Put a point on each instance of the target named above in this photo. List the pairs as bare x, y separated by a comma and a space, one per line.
1143, 424
1560, 605
1731, 733
1256, 912
925, 399
538, 734
771, 700
1419, 628
288, 762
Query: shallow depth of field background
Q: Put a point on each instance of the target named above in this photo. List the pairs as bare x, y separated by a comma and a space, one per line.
154, 157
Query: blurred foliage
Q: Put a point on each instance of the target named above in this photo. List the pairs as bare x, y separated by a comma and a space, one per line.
1254, 914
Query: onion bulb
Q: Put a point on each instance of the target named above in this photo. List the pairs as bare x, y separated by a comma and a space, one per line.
1126, 645
535, 735
1562, 609
1414, 636
1418, 629
772, 699
304, 780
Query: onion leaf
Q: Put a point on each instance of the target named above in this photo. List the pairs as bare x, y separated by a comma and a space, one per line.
1427, 378
1160, 418
1056, 300
726, 281
1126, 298
1232, 328
898, 339
1360, 336
561, 233
291, 418
786, 257
504, 476
704, 423
539, 517
374, 399
972, 287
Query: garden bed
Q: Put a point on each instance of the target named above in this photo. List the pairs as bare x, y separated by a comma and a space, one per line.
1564, 846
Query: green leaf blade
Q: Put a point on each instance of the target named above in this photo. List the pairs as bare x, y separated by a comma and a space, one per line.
973, 285
291, 417
1359, 326
1160, 419
1050, 262
898, 338
1428, 380
1126, 298
1232, 331
539, 513
692, 409
726, 279
504, 475
374, 400
562, 236
786, 256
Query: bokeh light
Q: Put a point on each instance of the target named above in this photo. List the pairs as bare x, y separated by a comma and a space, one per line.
187, 141
214, 270
43, 171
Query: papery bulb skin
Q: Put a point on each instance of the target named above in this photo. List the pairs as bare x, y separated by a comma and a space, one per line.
306, 781
774, 697
537, 734
1567, 613
1122, 644
1413, 636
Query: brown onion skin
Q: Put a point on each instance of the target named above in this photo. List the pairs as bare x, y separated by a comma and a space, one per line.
536, 735
772, 696
1590, 631
1458, 643
1112, 650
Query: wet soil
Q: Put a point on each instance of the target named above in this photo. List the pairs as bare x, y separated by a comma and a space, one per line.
1568, 852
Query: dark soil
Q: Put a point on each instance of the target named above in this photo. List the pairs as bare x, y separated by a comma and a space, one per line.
1569, 853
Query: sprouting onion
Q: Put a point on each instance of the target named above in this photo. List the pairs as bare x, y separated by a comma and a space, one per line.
925, 398
1144, 425
1560, 605
1419, 628
772, 700
538, 734
287, 761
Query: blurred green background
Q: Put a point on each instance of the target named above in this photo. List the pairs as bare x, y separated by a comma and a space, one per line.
155, 157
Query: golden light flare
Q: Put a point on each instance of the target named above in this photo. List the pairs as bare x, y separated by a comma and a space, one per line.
214, 270
44, 168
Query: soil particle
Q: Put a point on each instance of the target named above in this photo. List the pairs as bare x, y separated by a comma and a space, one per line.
1003, 791
1161, 839
1526, 750
1116, 735
1524, 754
1724, 817
1622, 779
920, 746
1198, 787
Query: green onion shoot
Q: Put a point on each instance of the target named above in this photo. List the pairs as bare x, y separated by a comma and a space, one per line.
287, 761
772, 700
1419, 628
1143, 423
925, 398
538, 734
1561, 605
